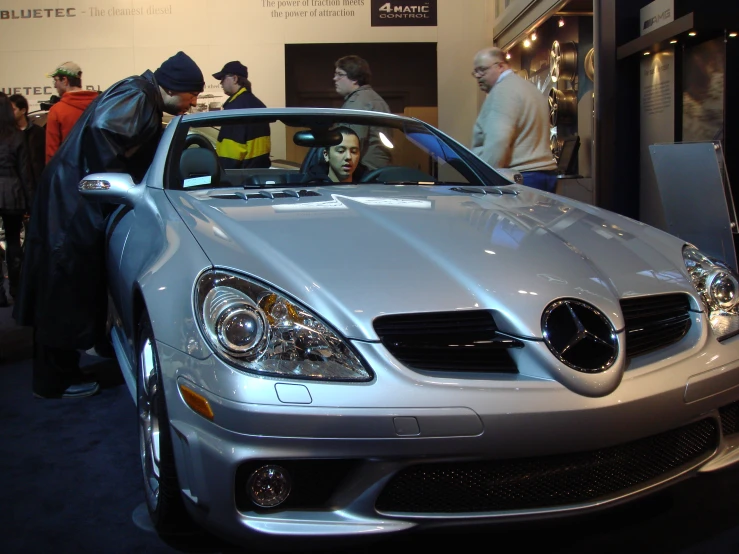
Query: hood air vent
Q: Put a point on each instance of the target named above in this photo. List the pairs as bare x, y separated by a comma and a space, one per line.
264, 194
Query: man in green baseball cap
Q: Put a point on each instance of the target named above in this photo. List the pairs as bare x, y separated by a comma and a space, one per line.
73, 101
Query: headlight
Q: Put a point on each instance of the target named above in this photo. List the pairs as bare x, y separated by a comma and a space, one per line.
718, 286
259, 330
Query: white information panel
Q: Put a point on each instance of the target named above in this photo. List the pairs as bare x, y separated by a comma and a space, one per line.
696, 196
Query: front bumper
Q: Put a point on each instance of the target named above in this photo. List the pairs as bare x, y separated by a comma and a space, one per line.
423, 420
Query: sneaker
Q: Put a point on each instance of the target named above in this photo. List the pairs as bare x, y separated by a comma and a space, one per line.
80, 390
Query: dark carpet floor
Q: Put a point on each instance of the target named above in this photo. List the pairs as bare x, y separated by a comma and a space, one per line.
66, 479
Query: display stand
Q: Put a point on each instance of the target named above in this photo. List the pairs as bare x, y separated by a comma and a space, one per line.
696, 196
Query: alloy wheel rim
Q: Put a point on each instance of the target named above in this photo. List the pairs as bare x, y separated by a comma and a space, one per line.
149, 423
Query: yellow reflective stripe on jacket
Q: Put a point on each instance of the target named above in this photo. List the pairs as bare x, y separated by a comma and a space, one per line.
235, 96
228, 148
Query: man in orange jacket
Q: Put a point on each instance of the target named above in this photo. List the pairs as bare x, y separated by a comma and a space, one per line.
65, 113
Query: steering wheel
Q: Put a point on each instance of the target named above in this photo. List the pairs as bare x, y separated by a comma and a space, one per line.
199, 140
316, 179
395, 173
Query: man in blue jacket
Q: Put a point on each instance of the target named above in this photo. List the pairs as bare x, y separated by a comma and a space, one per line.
241, 146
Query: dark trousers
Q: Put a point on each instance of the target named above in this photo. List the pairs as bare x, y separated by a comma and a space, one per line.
54, 369
541, 180
13, 223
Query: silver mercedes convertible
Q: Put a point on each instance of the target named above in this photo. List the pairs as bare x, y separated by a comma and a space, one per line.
320, 348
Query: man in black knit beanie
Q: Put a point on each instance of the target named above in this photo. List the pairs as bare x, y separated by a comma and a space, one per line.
63, 292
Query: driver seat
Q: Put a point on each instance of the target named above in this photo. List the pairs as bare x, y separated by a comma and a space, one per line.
199, 166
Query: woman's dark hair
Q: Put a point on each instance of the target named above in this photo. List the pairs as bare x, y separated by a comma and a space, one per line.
8, 126
356, 68
20, 101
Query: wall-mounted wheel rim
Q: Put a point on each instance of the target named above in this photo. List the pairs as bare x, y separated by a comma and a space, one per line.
563, 61
552, 108
562, 106
589, 64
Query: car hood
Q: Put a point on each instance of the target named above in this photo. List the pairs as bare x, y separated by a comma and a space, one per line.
352, 253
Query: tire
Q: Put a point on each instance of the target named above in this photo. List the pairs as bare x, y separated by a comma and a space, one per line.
161, 487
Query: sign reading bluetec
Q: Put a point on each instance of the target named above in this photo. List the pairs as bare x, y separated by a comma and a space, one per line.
38, 13
405, 13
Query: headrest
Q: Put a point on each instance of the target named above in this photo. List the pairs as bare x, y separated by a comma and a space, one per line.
199, 166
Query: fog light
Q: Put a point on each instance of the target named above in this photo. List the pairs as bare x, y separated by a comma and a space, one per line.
269, 486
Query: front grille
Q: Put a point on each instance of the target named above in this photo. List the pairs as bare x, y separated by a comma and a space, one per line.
547, 482
466, 341
729, 418
653, 322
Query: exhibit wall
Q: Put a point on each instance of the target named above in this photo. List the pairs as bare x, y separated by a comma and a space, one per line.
113, 39
657, 126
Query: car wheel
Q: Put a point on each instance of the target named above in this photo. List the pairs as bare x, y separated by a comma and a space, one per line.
161, 487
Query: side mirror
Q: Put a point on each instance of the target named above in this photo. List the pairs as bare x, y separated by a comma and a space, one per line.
111, 188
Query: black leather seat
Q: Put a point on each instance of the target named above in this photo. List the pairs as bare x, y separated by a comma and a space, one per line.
199, 163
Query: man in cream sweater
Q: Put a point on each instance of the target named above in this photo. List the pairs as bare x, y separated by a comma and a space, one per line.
512, 129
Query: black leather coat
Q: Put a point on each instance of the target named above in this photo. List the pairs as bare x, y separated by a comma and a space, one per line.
36, 145
16, 179
63, 290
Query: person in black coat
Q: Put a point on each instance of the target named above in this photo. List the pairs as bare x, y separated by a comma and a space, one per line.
63, 292
35, 136
16, 192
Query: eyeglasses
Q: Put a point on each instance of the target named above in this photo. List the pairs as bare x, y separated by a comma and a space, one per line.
482, 70
339, 74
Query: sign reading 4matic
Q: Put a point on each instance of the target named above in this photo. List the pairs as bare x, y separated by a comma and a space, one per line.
405, 13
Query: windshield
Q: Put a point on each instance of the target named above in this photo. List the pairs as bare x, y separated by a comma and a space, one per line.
298, 151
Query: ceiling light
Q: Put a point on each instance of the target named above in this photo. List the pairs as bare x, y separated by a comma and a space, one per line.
646, 53
561, 22
673, 41
691, 33
526, 43
732, 35
533, 35
507, 55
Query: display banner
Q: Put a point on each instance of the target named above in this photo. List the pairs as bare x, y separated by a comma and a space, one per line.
704, 78
114, 39
404, 13
657, 125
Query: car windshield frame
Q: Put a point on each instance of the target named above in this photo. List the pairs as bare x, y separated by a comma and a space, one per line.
424, 136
